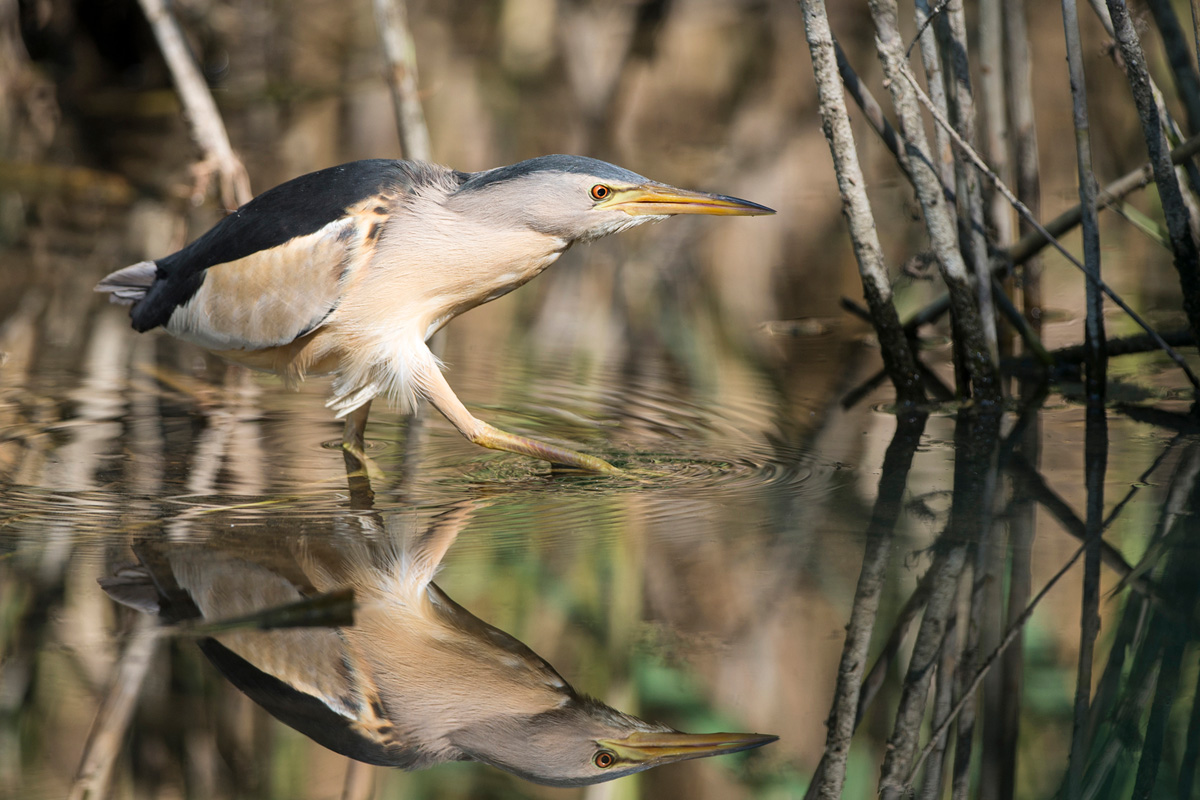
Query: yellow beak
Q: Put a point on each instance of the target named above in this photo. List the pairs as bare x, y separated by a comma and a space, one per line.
658, 199
665, 748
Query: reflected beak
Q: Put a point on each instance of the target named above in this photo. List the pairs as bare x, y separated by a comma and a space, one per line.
653, 749
657, 199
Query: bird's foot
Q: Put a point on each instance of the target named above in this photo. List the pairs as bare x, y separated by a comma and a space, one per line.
359, 464
561, 457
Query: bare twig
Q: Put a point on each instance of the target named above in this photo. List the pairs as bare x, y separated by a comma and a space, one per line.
208, 130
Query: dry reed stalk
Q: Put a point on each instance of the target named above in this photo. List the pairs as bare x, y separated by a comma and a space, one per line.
1024, 212
1094, 322
972, 224
877, 290
981, 370
1018, 82
1179, 222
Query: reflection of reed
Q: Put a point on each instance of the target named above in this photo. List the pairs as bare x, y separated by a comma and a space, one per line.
976, 668
830, 774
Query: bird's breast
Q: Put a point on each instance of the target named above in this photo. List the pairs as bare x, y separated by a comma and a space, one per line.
417, 281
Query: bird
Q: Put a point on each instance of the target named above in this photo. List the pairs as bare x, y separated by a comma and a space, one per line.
351, 269
417, 680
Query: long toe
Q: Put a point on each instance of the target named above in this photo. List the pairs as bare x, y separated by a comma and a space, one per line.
561, 457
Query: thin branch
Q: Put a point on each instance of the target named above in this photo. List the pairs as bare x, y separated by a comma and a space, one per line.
1036, 240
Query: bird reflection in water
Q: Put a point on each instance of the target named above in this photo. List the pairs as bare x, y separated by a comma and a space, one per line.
417, 680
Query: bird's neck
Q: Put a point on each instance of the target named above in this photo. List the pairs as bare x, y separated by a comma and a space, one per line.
437, 263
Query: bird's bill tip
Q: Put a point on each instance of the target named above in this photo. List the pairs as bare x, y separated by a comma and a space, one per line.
658, 200
660, 748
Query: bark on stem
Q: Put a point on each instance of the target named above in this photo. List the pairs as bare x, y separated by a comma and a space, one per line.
1187, 82
1187, 263
401, 55
877, 290
981, 369
1094, 323
1019, 84
971, 192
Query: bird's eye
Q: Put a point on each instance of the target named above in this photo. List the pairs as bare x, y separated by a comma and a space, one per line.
604, 758
599, 192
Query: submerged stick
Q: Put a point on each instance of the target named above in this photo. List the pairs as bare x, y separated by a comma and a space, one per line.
112, 719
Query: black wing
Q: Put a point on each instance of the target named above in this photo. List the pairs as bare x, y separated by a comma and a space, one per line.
298, 208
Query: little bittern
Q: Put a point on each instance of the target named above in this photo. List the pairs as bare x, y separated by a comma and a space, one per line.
417, 680
351, 269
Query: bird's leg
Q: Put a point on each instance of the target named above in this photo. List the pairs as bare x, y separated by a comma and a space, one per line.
359, 468
353, 438
481, 433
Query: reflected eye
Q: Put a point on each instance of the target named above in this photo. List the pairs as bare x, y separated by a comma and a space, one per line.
605, 758
599, 192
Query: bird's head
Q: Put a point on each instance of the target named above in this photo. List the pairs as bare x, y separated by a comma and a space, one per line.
579, 199
584, 741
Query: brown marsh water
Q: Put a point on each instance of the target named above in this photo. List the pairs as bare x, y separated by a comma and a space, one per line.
710, 587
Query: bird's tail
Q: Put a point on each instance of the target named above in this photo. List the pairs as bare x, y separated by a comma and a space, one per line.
127, 286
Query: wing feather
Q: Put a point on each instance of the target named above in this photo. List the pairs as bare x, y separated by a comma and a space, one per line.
310, 210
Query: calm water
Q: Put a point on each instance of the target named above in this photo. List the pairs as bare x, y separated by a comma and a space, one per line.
761, 523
